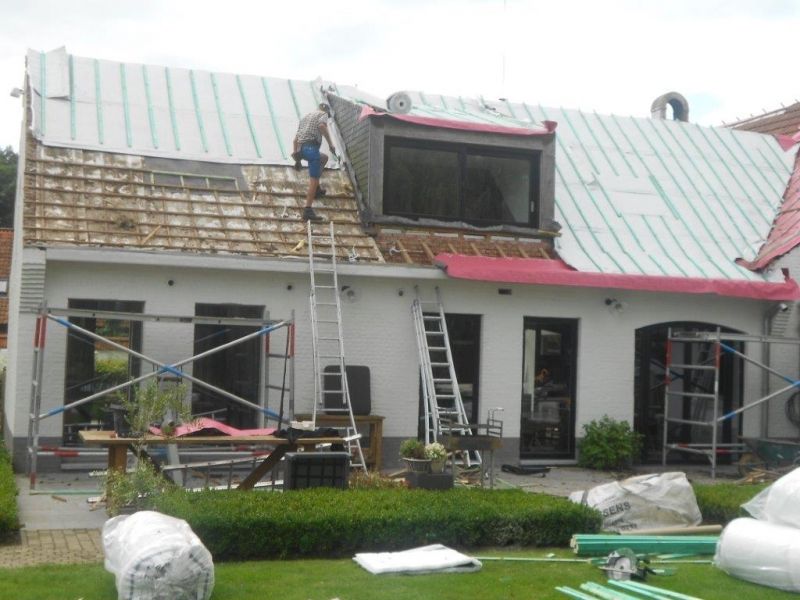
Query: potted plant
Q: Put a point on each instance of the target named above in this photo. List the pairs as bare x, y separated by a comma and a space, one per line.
437, 454
151, 405
412, 451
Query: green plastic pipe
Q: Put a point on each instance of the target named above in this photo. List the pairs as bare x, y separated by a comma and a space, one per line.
648, 590
573, 593
606, 593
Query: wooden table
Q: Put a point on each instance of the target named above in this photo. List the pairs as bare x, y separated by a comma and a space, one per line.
118, 448
373, 454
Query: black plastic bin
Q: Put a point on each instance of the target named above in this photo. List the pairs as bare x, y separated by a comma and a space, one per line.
316, 469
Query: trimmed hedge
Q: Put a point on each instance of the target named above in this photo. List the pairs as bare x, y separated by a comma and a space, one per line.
328, 522
9, 517
721, 503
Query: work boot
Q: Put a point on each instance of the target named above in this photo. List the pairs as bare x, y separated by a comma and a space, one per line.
320, 192
310, 215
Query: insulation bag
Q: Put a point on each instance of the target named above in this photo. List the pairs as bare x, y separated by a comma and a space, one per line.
644, 502
156, 557
759, 552
779, 503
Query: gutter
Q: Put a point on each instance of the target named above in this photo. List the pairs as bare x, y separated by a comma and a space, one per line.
123, 257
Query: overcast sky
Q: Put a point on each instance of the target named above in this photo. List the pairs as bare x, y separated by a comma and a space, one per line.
729, 58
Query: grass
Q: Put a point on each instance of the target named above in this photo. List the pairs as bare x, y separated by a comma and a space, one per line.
721, 502
342, 578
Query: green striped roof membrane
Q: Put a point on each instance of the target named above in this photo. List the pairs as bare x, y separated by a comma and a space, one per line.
646, 196
165, 111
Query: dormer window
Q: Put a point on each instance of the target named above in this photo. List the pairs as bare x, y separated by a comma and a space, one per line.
461, 182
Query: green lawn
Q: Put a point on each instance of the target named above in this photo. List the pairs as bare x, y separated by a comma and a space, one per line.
327, 579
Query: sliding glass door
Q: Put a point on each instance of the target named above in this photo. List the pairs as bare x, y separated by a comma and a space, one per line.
547, 428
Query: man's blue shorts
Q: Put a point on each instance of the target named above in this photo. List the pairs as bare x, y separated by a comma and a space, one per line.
311, 153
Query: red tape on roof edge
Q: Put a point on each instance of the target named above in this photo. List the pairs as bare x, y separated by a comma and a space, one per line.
549, 126
541, 271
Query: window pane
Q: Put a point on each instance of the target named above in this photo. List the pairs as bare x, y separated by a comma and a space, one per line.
497, 189
422, 182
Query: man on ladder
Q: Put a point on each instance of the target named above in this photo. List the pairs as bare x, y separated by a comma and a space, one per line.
307, 141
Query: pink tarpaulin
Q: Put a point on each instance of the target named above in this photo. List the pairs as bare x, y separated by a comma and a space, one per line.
788, 141
543, 271
549, 126
211, 427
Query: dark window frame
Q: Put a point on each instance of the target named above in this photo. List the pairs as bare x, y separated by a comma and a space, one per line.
463, 150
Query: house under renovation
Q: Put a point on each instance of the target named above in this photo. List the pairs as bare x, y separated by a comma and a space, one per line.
564, 247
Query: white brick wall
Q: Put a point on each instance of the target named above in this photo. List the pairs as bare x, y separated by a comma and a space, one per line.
379, 332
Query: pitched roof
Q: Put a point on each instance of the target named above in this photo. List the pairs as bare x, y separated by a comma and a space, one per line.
644, 196
635, 196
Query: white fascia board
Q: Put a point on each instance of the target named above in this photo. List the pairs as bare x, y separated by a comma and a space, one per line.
233, 263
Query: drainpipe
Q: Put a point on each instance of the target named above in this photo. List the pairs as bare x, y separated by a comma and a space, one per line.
766, 357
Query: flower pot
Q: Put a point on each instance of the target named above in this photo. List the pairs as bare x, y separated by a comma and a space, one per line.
418, 465
437, 465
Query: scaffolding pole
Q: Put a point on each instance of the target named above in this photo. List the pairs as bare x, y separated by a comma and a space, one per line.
265, 328
716, 340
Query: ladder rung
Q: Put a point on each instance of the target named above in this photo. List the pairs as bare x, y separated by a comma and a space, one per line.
325, 287
330, 356
434, 332
440, 364
325, 303
432, 317
328, 339
326, 321
437, 348
438, 395
696, 367
443, 380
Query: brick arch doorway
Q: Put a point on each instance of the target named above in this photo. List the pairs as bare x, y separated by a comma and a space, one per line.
649, 373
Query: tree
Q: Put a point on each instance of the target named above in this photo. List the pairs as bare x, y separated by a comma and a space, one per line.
8, 186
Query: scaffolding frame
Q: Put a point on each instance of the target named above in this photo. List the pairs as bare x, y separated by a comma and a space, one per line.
717, 341
61, 315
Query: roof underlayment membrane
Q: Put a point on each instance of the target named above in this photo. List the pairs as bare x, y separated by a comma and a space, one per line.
636, 196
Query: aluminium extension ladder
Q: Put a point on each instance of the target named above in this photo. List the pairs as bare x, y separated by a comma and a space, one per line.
442, 402
327, 339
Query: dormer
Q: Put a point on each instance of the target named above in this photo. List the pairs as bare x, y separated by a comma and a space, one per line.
471, 167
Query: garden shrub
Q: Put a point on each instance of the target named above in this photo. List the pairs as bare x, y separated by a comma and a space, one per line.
327, 522
721, 503
9, 517
608, 444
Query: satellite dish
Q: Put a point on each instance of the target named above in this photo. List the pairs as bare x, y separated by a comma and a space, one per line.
399, 102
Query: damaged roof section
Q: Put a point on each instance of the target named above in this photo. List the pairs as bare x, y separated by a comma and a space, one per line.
86, 198
421, 246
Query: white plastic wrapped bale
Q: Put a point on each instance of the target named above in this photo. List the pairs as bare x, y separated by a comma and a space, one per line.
760, 552
779, 503
644, 502
157, 557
